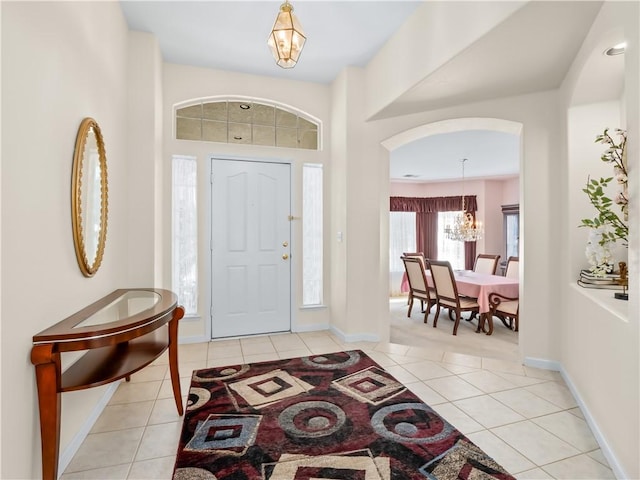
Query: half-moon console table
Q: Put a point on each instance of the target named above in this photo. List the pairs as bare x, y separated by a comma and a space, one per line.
121, 334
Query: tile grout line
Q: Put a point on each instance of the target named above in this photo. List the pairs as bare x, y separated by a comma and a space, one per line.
385, 350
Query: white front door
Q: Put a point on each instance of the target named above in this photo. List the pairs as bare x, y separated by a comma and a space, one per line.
250, 248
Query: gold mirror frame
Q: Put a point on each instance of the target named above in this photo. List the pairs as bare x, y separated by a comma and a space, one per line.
80, 174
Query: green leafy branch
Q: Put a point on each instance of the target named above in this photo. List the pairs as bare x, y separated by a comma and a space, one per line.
609, 225
615, 153
612, 227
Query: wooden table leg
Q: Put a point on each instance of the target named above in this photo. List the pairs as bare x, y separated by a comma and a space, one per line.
47, 366
488, 319
173, 357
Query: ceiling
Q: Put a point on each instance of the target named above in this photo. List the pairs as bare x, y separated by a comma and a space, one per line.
436, 158
232, 35
530, 51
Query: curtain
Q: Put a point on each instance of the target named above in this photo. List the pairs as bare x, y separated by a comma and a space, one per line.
427, 234
402, 238
470, 249
427, 209
432, 204
469, 255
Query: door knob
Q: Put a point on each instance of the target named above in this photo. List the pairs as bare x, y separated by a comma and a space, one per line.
285, 256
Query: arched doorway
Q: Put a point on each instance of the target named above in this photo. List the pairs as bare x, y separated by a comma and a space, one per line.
491, 213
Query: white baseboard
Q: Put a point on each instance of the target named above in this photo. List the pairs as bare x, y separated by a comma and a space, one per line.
354, 337
618, 471
541, 363
67, 455
315, 327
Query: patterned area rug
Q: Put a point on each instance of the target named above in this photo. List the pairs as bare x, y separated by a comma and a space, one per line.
332, 416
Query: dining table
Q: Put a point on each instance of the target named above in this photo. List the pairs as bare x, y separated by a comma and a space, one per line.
480, 286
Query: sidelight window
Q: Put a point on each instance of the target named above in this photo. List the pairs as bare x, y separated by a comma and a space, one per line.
184, 232
312, 256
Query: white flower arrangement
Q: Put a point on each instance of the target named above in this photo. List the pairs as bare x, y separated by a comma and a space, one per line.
606, 228
598, 252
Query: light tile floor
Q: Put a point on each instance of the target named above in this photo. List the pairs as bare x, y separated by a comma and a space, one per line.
525, 418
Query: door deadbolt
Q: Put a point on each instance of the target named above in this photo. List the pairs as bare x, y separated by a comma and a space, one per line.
285, 244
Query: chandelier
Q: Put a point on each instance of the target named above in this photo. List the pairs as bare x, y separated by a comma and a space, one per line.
464, 229
286, 38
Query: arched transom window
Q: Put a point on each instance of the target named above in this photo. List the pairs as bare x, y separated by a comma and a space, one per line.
245, 122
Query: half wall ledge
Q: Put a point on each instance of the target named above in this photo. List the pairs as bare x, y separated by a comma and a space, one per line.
605, 299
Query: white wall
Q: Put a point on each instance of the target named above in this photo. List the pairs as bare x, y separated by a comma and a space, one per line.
181, 84
61, 62
600, 336
539, 116
430, 37
1, 356
366, 262
355, 214
492, 218
144, 102
338, 235
511, 191
360, 217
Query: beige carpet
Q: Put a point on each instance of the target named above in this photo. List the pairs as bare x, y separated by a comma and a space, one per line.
502, 344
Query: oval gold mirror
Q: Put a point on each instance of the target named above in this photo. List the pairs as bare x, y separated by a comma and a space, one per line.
89, 197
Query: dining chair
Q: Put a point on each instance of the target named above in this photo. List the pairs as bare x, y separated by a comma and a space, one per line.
486, 263
447, 293
419, 256
418, 287
513, 268
506, 309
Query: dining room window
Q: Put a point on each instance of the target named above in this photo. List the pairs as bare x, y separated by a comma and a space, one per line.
402, 238
511, 230
450, 250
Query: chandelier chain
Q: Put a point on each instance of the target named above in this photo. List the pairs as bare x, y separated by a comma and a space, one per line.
464, 228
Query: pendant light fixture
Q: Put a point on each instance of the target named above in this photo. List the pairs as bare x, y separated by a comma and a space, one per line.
464, 229
287, 38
